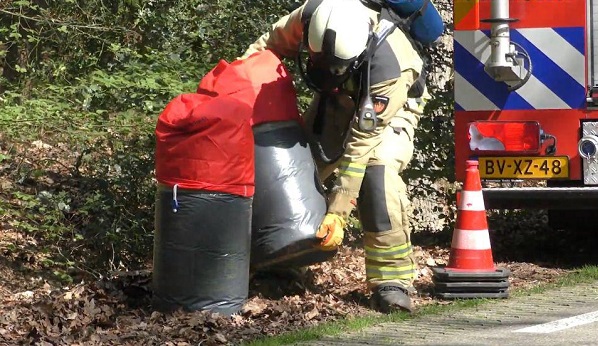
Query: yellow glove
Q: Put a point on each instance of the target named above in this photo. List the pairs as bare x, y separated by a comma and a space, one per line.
331, 232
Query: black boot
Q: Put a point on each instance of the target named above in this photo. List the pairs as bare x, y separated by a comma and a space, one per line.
390, 298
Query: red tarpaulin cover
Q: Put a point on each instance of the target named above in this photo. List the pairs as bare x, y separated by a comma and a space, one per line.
262, 81
206, 143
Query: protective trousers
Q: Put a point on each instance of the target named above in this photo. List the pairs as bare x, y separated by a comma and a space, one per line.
383, 205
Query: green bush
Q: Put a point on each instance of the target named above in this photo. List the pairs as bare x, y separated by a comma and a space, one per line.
82, 86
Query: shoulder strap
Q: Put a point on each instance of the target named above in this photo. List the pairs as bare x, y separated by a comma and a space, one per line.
309, 9
375, 5
404, 24
389, 13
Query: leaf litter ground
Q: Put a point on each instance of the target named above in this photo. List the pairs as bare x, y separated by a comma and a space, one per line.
116, 310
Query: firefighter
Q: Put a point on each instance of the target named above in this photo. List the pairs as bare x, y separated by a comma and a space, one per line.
335, 34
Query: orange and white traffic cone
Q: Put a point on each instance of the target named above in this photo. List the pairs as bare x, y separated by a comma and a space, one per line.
471, 272
470, 248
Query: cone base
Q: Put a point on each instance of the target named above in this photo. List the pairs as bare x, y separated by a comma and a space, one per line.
447, 274
448, 296
460, 284
471, 287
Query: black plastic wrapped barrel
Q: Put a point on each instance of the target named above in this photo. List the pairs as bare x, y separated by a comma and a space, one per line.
205, 174
289, 203
201, 252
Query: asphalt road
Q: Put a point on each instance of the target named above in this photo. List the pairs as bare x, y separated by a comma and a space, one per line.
561, 316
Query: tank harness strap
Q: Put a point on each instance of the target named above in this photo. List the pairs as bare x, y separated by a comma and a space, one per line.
417, 89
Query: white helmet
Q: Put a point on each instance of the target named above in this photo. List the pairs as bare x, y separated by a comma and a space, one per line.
337, 35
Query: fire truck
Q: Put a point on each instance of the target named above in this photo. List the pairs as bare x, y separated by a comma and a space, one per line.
526, 103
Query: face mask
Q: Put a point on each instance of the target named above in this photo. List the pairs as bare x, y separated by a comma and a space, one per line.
324, 78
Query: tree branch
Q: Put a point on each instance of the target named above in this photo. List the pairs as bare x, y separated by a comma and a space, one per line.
55, 22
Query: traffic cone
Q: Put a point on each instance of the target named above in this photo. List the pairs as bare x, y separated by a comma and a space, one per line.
471, 272
470, 248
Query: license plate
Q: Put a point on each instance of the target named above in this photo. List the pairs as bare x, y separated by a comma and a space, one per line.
524, 167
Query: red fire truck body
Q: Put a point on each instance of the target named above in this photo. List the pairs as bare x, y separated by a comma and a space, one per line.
524, 77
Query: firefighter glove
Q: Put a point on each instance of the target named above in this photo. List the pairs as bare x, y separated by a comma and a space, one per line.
331, 232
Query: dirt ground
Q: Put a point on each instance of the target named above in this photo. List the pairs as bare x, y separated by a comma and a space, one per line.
116, 310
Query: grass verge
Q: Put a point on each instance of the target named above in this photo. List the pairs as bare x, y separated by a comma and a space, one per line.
582, 275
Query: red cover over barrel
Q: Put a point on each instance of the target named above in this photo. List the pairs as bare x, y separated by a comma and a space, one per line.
205, 142
261, 80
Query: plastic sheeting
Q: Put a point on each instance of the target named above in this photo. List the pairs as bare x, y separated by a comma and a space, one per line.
289, 203
201, 251
204, 142
261, 81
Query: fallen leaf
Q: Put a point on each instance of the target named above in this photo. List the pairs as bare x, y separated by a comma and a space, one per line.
24, 295
253, 308
311, 314
220, 338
